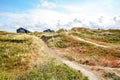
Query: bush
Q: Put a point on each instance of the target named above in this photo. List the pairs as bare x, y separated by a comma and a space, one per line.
112, 76
53, 71
5, 76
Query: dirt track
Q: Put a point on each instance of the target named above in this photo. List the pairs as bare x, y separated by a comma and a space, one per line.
71, 64
83, 68
80, 39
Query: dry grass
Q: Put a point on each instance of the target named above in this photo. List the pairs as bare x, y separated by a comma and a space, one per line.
85, 53
24, 57
108, 36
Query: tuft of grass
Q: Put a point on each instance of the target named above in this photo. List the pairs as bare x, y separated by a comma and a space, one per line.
17, 56
63, 41
5, 76
50, 70
111, 76
59, 41
108, 36
53, 71
12, 51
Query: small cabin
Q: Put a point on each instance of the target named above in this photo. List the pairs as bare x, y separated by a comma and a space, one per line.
22, 30
48, 30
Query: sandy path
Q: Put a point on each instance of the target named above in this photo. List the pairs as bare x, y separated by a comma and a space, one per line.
80, 39
89, 74
84, 69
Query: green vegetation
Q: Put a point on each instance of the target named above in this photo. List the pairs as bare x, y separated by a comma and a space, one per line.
109, 36
83, 52
111, 76
92, 55
18, 52
59, 41
61, 30
47, 71
52, 71
63, 41
24, 56
12, 51
5, 33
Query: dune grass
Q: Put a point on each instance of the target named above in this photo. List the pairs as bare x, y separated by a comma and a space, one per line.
12, 52
83, 52
110, 75
15, 61
53, 71
47, 71
108, 36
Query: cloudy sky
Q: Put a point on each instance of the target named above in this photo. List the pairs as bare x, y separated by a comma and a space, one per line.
37, 15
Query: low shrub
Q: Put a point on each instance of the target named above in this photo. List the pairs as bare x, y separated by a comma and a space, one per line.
111, 76
53, 71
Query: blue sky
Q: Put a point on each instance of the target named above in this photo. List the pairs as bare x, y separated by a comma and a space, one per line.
16, 5
38, 15
22, 5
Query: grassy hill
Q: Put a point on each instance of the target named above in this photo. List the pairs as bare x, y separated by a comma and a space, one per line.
24, 57
108, 36
86, 53
83, 52
27, 56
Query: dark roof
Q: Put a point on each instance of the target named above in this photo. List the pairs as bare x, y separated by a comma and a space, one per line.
48, 30
22, 30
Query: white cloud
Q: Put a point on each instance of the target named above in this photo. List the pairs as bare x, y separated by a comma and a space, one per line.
47, 15
46, 4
